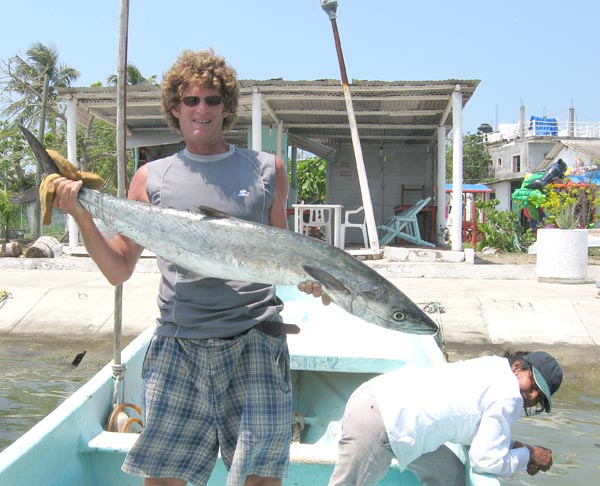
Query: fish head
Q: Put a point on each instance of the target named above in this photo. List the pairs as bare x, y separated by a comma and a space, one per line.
394, 310
373, 298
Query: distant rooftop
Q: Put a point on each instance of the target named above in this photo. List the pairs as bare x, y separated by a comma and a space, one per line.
544, 127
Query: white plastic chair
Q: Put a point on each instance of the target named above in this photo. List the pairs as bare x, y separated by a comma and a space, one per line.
348, 224
317, 218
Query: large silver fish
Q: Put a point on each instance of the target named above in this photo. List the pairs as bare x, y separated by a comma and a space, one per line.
214, 244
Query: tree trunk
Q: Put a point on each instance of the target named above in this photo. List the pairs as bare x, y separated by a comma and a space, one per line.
38, 177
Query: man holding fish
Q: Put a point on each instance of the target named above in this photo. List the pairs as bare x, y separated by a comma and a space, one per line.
217, 370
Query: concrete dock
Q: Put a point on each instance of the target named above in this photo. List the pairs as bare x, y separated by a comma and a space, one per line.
482, 308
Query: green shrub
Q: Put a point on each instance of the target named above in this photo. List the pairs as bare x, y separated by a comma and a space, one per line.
311, 174
8, 214
502, 230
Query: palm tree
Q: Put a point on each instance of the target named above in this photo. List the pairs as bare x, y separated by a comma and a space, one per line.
34, 80
134, 77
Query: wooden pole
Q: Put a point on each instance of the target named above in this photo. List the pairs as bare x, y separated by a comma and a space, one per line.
330, 8
121, 161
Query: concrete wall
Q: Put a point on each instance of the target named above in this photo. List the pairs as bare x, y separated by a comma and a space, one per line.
503, 193
532, 154
502, 157
537, 153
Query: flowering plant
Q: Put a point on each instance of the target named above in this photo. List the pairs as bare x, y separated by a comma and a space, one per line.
571, 205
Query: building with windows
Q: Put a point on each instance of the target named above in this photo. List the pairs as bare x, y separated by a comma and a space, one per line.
533, 145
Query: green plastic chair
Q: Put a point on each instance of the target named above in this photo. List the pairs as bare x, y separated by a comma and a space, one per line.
404, 225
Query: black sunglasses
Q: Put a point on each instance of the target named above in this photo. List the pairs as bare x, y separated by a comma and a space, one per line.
213, 100
540, 406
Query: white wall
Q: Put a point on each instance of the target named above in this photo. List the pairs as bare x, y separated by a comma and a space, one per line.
503, 193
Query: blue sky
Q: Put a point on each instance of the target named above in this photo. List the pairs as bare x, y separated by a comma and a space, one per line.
546, 54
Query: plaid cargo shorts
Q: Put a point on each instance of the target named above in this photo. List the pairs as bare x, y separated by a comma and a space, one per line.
202, 395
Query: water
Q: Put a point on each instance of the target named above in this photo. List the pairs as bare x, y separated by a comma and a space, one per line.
35, 377
572, 431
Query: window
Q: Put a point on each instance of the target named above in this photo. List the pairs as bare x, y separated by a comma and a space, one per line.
516, 163
499, 161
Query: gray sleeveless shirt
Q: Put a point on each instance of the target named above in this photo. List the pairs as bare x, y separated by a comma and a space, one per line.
240, 183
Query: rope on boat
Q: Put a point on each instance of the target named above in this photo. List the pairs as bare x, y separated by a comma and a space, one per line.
118, 374
437, 308
431, 307
297, 426
4, 296
118, 420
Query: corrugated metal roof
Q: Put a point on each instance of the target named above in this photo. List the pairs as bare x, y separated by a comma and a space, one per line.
395, 112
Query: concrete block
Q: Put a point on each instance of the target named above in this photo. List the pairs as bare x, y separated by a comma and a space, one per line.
470, 255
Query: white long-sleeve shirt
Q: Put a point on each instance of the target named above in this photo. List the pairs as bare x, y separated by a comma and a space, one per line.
474, 402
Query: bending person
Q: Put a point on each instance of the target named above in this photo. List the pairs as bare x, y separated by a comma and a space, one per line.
410, 414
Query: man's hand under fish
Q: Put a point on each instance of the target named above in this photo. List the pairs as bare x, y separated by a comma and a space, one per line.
314, 288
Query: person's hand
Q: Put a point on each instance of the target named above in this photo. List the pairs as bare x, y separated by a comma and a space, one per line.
540, 459
532, 469
314, 288
65, 196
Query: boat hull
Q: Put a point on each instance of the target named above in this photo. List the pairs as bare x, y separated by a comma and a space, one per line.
333, 354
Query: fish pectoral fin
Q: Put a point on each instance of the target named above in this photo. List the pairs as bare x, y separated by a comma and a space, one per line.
325, 278
212, 212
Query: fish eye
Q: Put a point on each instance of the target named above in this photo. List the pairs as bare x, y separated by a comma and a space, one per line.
398, 316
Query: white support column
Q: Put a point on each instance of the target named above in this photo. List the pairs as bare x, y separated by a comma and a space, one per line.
440, 219
72, 156
280, 140
256, 120
457, 169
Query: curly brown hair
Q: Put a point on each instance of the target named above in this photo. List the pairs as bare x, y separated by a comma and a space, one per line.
209, 71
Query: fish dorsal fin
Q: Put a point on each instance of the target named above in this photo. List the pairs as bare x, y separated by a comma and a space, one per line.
325, 278
212, 212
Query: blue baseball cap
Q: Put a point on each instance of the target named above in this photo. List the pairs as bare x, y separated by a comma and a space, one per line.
547, 374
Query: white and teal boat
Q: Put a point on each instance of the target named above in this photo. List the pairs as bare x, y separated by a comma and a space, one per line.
333, 354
